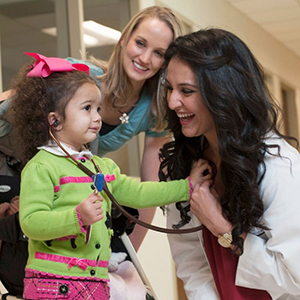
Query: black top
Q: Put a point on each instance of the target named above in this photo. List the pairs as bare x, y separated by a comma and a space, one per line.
106, 128
13, 255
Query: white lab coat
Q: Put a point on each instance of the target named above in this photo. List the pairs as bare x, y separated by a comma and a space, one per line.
270, 262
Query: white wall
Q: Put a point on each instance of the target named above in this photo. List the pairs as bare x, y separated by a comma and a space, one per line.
280, 63
273, 55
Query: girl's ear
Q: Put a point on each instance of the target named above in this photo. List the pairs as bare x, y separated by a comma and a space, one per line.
54, 122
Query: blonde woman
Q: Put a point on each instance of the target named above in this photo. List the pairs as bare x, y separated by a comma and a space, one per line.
128, 82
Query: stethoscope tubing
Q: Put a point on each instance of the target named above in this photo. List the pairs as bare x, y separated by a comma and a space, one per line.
115, 202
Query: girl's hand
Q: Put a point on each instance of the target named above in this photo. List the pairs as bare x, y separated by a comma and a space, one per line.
205, 205
201, 171
90, 209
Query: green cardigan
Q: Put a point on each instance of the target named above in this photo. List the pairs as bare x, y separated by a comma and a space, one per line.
51, 188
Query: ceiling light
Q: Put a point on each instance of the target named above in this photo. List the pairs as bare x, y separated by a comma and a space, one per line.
105, 35
94, 34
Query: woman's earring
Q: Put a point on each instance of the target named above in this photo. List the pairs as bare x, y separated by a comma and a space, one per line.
163, 77
161, 81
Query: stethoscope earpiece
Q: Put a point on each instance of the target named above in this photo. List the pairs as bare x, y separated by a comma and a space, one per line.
56, 123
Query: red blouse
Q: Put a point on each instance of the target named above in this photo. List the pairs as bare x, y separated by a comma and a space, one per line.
223, 264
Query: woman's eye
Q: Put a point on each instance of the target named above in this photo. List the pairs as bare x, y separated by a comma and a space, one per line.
187, 91
87, 107
98, 109
159, 53
167, 87
140, 43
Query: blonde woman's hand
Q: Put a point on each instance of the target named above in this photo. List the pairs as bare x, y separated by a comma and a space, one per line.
90, 209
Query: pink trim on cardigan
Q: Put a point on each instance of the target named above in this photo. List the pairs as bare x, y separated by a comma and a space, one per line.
66, 238
109, 178
191, 186
73, 179
82, 157
32, 273
82, 179
82, 263
82, 229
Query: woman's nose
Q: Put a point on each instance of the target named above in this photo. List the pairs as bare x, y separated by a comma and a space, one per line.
173, 100
145, 57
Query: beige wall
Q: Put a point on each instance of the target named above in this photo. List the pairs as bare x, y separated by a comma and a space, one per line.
281, 64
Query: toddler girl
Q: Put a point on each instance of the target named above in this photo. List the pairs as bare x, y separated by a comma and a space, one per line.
57, 109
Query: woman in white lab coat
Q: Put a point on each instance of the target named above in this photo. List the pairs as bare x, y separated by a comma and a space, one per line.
220, 110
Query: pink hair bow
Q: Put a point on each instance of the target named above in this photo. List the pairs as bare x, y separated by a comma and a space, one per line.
45, 66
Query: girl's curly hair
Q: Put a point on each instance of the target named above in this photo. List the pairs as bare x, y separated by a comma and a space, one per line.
34, 98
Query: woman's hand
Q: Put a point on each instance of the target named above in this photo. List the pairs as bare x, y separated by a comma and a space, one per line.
201, 172
205, 205
90, 209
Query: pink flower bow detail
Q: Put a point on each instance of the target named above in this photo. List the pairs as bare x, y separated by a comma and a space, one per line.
77, 262
45, 66
109, 178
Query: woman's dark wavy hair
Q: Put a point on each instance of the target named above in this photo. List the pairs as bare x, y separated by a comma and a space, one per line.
231, 83
35, 98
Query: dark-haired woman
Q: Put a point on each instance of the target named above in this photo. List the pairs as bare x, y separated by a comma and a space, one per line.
219, 109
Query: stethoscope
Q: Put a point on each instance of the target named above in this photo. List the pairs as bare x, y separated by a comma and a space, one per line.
114, 201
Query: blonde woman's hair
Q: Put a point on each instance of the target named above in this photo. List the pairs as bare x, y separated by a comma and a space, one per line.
118, 87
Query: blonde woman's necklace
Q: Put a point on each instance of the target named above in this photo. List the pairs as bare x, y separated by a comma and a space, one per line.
124, 117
